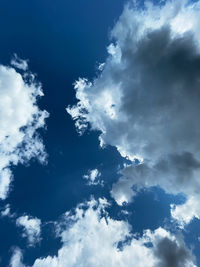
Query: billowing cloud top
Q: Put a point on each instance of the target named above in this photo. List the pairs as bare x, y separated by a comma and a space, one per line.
91, 238
145, 100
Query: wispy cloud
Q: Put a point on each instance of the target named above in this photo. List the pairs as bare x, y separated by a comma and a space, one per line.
31, 228
93, 177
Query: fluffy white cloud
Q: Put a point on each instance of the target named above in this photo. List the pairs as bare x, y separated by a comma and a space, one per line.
145, 101
93, 177
184, 213
20, 118
31, 228
91, 238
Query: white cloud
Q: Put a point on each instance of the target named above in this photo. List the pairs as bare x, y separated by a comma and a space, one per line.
31, 228
90, 238
5, 180
6, 211
16, 260
145, 102
186, 212
20, 118
93, 177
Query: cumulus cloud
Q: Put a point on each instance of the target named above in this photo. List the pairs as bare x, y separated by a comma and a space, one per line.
31, 228
184, 213
173, 174
145, 102
91, 238
93, 177
171, 254
20, 117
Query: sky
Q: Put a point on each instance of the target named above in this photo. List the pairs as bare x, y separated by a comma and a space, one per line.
99, 133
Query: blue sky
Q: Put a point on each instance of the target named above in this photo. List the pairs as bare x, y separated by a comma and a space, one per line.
69, 199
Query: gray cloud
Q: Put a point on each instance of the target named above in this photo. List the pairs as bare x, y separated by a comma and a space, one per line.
146, 99
172, 254
161, 94
174, 173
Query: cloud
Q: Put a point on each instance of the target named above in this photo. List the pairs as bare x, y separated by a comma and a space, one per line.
20, 118
172, 254
91, 238
31, 228
19, 63
145, 102
16, 260
184, 213
172, 173
5, 180
6, 211
93, 177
